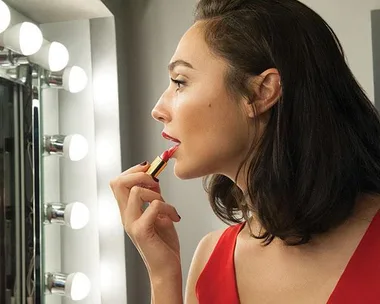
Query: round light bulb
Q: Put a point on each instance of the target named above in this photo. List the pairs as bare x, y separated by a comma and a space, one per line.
58, 56
30, 38
74, 79
52, 56
77, 215
77, 286
75, 147
24, 38
5, 16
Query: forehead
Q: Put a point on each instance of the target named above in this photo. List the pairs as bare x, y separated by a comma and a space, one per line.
193, 48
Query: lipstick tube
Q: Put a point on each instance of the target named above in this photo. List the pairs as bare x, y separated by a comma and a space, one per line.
160, 162
157, 166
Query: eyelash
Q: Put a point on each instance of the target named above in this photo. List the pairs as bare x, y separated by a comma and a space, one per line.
178, 83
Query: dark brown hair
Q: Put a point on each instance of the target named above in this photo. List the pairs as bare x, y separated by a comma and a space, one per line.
321, 147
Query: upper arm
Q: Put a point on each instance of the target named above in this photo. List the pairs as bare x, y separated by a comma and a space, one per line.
200, 258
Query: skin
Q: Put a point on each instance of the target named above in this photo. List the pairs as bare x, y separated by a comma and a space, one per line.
211, 124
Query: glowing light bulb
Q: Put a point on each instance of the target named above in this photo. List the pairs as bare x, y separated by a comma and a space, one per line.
75, 286
58, 56
5, 16
78, 286
30, 38
74, 79
24, 38
75, 147
52, 56
77, 215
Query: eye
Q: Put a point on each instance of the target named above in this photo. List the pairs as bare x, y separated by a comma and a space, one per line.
178, 83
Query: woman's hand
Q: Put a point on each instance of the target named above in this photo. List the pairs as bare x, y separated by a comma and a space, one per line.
152, 231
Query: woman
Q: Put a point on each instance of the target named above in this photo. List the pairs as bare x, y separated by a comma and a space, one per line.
263, 103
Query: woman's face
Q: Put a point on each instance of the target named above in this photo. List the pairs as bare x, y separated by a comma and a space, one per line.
197, 110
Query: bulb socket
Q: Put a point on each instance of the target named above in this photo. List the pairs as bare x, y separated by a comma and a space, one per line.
55, 213
53, 144
55, 283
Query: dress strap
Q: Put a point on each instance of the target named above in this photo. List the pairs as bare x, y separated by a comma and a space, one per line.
360, 281
216, 283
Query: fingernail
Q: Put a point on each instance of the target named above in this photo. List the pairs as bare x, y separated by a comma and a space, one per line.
143, 163
179, 216
155, 179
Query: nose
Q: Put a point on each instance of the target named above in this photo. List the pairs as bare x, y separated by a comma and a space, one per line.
160, 111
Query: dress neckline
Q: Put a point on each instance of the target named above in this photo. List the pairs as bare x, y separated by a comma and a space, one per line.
351, 262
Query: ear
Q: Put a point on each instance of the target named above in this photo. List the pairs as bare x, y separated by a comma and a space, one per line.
266, 88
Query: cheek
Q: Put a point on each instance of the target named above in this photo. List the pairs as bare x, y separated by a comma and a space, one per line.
194, 117
189, 112
211, 127
213, 139
207, 113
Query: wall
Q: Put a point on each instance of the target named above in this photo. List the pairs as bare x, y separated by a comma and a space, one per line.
351, 21
79, 248
375, 18
98, 249
108, 160
147, 34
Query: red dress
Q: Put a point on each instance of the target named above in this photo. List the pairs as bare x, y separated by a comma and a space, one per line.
359, 283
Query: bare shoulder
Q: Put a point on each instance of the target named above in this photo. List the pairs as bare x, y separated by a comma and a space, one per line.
207, 244
205, 248
200, 258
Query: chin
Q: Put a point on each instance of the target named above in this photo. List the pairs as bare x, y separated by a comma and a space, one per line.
184, 174
189, 172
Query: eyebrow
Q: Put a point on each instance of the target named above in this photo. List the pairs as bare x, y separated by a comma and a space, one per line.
173, 64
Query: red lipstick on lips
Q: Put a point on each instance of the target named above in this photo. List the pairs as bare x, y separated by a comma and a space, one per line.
166, 136
159, 164
168, 153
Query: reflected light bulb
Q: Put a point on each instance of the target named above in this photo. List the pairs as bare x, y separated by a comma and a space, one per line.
77, 215
75, 147
74, 79
77, 286
5, 16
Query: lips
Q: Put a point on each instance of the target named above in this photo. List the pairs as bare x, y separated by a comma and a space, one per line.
168, 137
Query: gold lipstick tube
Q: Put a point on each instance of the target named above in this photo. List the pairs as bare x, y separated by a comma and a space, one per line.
157, 166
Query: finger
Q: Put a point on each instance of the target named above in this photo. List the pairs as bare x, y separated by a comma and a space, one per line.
156, 208
137, 179
156, 188
137, 168
138, 196
126, 182
123, 183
